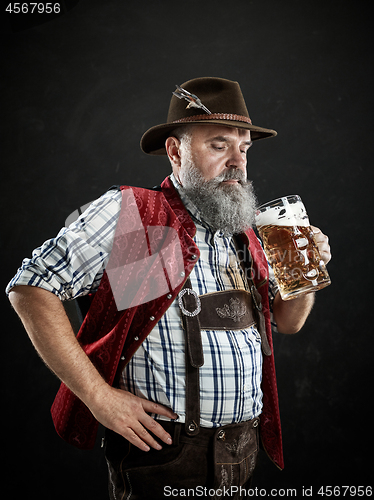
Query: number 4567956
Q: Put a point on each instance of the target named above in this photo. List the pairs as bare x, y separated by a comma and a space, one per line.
343, 491
33, 7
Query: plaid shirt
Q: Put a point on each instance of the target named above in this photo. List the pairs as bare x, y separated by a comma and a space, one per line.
72, 265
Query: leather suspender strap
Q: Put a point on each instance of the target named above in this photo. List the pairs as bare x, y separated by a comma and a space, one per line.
261, 327
191, 308
190, 303
256, 296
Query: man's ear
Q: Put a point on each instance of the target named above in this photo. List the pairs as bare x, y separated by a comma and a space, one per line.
173, 150
172, 146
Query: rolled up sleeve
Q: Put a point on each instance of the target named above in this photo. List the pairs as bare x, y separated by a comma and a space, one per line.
72, 263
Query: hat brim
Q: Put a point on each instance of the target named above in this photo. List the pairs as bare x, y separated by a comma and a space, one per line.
153, 141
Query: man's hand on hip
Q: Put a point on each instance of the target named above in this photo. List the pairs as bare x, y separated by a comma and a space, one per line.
127, 415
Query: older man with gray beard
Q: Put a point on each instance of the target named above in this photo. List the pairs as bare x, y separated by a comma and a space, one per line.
175, 354
222, 193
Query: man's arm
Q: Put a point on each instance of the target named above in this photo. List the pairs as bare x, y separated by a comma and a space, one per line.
49, 329
291, 315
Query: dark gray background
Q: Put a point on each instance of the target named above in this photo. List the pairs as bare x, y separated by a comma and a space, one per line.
77, 93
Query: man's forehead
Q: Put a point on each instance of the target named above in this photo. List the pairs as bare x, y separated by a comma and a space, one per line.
212, 131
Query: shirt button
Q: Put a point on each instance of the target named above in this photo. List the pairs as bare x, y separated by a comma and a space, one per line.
183, 274
123, 358
151, 318
136, 338
193, 257
169, 296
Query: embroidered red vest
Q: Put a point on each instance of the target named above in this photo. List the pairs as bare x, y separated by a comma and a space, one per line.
153, 237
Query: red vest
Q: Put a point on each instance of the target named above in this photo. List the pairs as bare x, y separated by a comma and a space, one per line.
110, 334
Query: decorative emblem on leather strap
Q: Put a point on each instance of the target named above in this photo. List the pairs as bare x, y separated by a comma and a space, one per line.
189, 291
233, 310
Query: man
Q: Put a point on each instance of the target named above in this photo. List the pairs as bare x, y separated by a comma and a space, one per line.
175, 355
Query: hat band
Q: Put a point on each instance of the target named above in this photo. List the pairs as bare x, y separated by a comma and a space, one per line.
215, 116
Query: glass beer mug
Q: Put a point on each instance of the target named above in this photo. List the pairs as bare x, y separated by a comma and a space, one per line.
290, 247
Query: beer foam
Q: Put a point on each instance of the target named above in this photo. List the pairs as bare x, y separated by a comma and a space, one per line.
291, 214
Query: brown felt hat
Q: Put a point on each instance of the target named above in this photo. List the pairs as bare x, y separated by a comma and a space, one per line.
204, 101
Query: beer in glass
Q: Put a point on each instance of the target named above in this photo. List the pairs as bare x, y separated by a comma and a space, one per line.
290, 247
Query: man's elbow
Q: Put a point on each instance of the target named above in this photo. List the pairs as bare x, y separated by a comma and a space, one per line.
290, 316
289, 329
15, 296
22, 297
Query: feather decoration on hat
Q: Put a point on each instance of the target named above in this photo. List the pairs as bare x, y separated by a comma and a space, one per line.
193, 100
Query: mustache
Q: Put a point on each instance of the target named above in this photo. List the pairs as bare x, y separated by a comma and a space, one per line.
231, 174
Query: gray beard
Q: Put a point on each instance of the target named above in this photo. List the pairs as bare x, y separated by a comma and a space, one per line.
226, 208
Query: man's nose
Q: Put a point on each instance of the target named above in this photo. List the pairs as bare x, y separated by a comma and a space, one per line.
237, 159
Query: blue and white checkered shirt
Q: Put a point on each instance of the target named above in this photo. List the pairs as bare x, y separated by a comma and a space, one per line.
72, 264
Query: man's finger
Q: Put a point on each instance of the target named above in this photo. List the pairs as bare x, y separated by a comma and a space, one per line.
134, 439
156, 429
322, 242
151, 407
